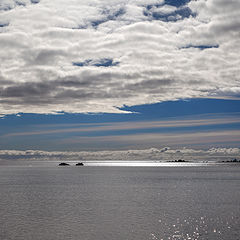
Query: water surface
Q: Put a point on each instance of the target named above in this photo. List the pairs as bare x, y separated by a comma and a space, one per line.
108, 203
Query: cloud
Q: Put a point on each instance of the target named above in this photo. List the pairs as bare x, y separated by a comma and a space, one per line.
122, 126
163, 154
127, 56
6, 5
143, 140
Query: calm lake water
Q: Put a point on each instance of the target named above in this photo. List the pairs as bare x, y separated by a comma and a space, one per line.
120, 203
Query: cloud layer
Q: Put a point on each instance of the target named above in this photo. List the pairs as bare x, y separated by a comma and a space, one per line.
163, 154
97, 56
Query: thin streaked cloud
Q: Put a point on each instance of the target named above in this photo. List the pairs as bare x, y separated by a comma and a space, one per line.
129, 126
160, 139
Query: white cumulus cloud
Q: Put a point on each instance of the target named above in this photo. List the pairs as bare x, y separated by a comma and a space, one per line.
139, 57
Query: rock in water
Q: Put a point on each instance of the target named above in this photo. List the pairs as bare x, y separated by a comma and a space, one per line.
80, 164
63, 164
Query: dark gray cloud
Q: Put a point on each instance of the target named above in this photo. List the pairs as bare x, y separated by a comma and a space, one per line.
27, 90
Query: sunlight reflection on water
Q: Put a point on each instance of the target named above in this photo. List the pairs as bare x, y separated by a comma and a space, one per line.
146, 164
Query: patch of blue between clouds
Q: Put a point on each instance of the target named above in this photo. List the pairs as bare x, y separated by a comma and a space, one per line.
181, 12
201, 47
5, 8
35, 1
106, 16
109, 17
174, 16
177, 3
17, 3
104, 62
2, 25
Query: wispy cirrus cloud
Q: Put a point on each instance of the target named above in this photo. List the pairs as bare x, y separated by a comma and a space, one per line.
121, 126
143, 140
155, 51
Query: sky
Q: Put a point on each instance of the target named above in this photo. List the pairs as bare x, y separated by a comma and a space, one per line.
117, 75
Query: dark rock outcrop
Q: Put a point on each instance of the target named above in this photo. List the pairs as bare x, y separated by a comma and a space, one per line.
63, 164
79, 164
179, 161
232, 161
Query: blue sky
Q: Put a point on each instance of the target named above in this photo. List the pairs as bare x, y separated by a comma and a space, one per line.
155, 125
117, 74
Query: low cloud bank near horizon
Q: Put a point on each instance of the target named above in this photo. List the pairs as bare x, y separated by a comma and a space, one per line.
98, 56
163, 154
